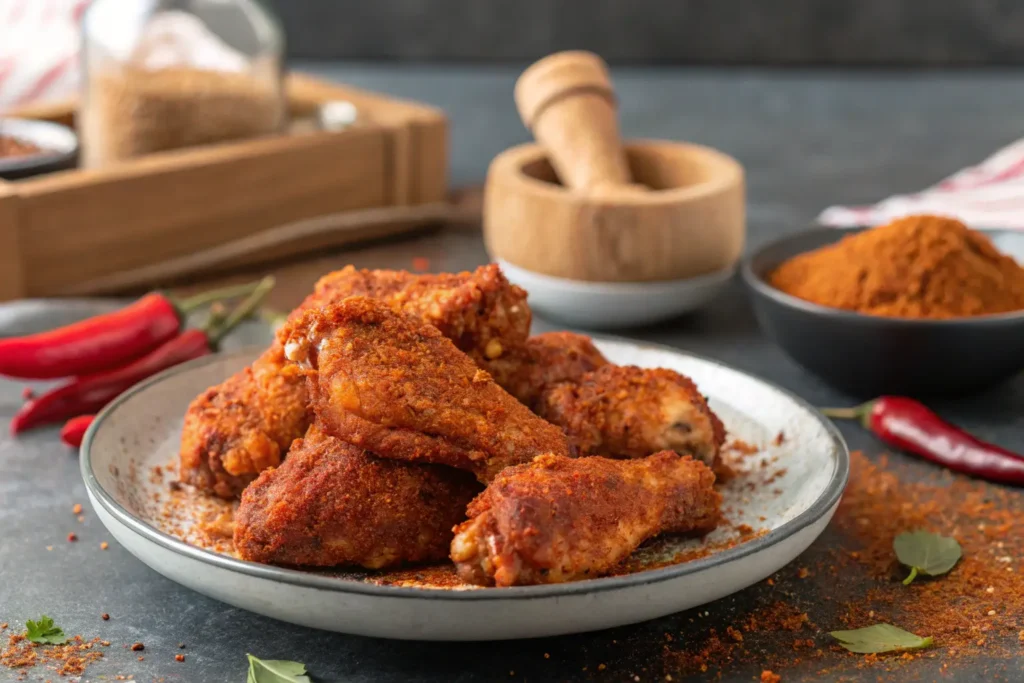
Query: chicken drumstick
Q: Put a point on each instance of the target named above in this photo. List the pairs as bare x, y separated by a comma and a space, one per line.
559, 519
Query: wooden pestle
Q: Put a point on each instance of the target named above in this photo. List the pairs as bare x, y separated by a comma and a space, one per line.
567, 100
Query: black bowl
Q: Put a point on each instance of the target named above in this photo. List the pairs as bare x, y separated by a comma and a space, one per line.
58, 147
866, 355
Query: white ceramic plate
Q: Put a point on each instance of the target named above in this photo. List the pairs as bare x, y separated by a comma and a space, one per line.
790, 505
609, 305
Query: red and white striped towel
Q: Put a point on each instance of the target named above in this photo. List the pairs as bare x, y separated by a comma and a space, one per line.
989, 195
39, 42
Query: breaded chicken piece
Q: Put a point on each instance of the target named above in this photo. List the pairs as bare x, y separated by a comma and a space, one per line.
392, 384
333, 504
631, 412
564, 519
236, 429
544, 360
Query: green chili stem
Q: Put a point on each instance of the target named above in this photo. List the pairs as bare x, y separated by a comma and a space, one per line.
197, 301
243, 311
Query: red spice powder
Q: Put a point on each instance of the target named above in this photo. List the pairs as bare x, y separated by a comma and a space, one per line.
975, 612
70, 659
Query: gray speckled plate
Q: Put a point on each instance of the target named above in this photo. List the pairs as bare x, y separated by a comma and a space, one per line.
787, 489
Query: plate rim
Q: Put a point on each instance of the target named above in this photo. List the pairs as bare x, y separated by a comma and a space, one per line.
821, 506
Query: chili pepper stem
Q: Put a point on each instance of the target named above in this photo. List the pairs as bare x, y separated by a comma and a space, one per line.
243, 311
197, 301
910, 579
861, 413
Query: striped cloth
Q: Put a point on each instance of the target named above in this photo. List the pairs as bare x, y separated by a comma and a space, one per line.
989, 195
38, 50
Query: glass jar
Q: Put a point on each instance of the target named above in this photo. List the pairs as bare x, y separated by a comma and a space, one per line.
167, 74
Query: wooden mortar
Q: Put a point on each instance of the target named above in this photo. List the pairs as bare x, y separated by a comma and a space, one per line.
582, 206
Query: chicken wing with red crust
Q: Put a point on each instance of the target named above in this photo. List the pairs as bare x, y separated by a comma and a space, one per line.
631, 412
544, 360
333, 504
564, 519
245, 424
392, 384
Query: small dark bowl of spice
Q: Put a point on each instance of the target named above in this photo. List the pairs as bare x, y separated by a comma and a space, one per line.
29, 147
922, 306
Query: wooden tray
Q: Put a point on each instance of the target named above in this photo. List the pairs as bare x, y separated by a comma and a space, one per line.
139, 222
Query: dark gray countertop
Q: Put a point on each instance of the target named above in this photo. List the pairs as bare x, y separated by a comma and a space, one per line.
806, 139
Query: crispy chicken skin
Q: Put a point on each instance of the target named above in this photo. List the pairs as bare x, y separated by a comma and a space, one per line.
631, 412
562, 519
236, 429
544, 360
392, 384
332, 504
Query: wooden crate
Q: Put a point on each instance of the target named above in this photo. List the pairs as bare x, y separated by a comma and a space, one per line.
65, 232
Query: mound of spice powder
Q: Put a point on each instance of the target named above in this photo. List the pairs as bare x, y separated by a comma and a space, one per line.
914, 267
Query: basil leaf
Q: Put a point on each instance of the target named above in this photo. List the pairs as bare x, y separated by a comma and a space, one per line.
880, 638
926, 553
275, 671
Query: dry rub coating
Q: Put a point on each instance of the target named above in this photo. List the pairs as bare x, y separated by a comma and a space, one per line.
631, 412
544, 360
238, 428
561, 519
391, 384
333, 504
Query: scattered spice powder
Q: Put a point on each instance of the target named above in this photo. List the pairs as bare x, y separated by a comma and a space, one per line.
69, 659
421, 264
179, 658
72, 537
104, 545
105, 616
914, 267
138, 647
77, 509
957, 609
769, 677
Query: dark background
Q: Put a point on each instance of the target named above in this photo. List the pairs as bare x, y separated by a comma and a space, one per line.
769, 32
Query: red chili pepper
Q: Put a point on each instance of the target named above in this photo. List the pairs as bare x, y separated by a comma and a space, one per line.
74, 430
90, 393
913, 427
104, 341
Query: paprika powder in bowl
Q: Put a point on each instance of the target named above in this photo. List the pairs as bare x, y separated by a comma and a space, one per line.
925, 332
29, 147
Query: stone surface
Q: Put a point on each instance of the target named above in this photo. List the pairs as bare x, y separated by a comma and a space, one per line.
879, 32
806, 139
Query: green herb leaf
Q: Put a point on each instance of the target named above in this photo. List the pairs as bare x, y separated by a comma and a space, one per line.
275, 671
44, 632
926, 553
880, 638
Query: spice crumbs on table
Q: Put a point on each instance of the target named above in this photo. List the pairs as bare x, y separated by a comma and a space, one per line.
81, 518
104, 545
179, 658
72, 537
803, 573
138, 647
601, 667
770, 677
105, 616
77, 509
547, 656
3, 626
421, 264
105, 643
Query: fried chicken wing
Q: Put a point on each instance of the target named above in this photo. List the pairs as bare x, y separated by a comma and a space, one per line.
333, 504
392, 384
631, 412
542, 361
564, 519
236, 429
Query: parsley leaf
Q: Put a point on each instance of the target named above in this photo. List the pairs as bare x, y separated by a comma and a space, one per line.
880, 638
926, 553
44, 632
275, 671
